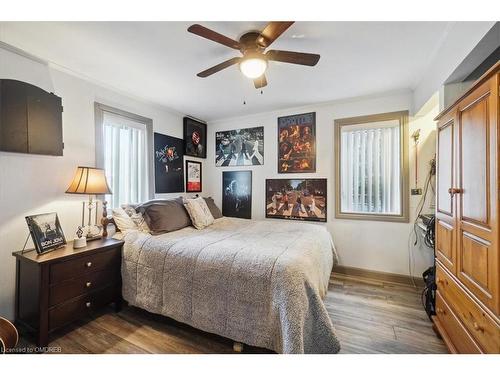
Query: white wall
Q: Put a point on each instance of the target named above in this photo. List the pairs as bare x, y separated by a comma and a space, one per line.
459, 40
31, 184
374, 245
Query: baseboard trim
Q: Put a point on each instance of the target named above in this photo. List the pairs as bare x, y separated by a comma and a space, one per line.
378, 275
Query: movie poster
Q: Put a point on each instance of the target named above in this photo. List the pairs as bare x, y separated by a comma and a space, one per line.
169, 171
297, 143
296, 199
237, 194
239, 147
195, 138
193, 176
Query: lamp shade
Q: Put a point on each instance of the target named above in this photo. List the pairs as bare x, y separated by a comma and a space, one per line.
89, 180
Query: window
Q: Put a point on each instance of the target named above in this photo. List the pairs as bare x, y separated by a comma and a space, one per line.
122, 143
372, 167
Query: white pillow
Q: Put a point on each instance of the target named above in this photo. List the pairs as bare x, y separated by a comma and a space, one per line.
122, 220
199, 212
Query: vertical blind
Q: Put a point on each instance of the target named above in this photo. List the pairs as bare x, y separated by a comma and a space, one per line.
371, 168
125, 159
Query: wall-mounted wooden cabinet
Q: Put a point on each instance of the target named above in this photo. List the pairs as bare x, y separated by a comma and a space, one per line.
467, 219
30, 119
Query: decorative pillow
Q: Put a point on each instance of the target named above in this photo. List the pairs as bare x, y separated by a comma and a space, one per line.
130, 209
122, 220
199, 212
214, 210
136, 217
165, 215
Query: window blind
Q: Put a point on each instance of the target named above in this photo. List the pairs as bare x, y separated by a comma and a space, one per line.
370, 169
125, 159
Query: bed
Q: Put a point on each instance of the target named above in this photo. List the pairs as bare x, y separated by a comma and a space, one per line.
256, 282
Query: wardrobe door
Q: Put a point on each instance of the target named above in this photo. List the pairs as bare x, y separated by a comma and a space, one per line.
445, 200
477, 240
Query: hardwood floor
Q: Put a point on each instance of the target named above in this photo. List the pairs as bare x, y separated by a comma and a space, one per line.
369, 316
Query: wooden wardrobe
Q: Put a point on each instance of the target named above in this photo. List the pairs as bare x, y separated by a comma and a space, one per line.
467, 219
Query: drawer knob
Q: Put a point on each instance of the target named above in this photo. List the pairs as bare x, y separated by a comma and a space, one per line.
88, 304
88, 264
88, 284
477, 327
440, 311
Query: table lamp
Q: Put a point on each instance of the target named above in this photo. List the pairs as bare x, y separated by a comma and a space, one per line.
91, 181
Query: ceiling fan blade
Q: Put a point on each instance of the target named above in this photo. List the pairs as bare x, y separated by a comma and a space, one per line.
301, 58
214, 36
219, 67
272, 31
260, 81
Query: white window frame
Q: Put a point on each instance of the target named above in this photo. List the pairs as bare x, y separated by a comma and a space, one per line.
402, 117
99, 110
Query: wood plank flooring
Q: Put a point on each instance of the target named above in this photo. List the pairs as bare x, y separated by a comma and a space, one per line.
369, 316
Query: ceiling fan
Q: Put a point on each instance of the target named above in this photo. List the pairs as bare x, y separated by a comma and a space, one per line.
252, 45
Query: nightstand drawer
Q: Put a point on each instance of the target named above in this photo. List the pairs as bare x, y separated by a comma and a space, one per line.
84, 265
87, 283
81, 306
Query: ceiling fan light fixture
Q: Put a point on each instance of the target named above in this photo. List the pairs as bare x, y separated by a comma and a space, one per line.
253, 67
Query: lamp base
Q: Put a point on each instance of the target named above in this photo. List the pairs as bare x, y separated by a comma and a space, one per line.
79, 242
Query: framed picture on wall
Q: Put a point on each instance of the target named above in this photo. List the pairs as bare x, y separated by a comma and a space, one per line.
169, 171
195, 138
297, 143
296, 199
239, 147
237, 194
193, 176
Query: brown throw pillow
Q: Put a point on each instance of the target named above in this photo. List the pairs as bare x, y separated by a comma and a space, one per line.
213, 208
165, 215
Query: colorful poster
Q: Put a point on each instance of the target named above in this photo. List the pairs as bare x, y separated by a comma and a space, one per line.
297, 143
296, 199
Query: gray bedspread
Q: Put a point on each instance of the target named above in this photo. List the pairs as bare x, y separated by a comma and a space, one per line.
257, 282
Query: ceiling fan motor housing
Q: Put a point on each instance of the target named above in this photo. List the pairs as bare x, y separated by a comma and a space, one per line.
250, 43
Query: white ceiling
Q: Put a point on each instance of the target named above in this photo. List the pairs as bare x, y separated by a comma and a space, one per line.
158, 61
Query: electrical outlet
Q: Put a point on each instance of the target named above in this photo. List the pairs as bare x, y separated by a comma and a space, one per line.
417, 191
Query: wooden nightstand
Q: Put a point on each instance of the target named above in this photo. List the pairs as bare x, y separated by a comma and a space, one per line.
58, 287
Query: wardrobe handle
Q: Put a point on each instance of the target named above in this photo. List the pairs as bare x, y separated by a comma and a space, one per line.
453, 191
477, 327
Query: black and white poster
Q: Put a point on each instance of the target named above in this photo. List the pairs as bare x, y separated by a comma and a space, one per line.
169, 164
237, 194
46, 231
239, 147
